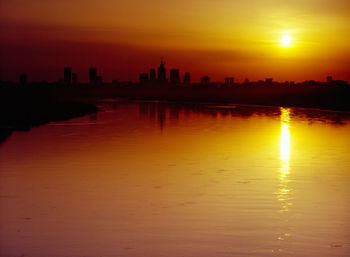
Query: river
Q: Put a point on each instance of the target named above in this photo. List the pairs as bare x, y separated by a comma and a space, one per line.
149, 179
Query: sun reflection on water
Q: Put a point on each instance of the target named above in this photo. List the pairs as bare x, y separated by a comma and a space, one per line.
284, 192
285, 139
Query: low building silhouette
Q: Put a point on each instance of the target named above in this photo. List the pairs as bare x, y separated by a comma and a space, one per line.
143, 77
205, 80
74, 78
268, 80
187, 78
99, 80
23, 78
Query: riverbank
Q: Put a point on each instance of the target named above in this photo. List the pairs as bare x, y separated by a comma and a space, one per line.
324, 97
327, 96
20, 116
25, 106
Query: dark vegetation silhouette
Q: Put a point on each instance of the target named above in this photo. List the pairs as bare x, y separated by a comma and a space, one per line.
25, 106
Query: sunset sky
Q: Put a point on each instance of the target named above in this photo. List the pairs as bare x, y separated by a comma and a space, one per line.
287, 40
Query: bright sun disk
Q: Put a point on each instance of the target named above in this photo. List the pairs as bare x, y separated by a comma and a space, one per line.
286, 40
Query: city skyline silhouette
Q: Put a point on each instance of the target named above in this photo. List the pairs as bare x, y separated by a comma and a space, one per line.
163, 75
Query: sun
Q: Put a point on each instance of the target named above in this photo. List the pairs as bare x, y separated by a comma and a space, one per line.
286, 41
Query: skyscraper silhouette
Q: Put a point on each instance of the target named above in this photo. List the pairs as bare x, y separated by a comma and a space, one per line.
93, 75
161, 72
152, 75
67, 75
175, 76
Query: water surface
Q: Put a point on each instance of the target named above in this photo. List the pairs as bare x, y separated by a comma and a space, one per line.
153, 179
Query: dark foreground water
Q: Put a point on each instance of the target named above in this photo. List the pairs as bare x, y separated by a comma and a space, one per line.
153, 179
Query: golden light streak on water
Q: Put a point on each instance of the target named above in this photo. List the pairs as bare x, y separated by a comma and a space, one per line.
285, 140
284, 192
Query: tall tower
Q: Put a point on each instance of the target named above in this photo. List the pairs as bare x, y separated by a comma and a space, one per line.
161, 71
67, 75
93, 75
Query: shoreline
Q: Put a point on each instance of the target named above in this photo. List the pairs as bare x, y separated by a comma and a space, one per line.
23, 118
61, 111
25, 106
219, 104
